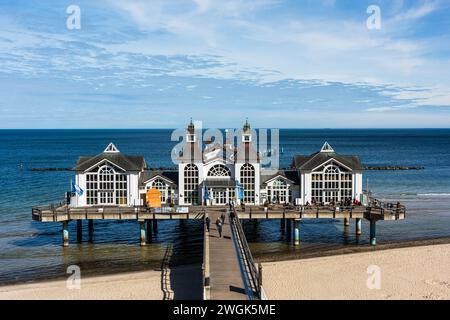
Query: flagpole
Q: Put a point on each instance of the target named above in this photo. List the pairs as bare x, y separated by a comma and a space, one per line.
70, 190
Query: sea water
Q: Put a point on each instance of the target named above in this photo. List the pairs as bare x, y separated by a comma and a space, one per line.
32, 251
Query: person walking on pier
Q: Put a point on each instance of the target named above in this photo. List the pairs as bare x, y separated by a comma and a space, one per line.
232, 215
222, 217
219, 227
208, 223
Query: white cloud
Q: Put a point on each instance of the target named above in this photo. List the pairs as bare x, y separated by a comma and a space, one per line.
417, 12
228, 40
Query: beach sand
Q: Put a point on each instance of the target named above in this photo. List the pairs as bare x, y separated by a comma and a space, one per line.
406, 273
177, 283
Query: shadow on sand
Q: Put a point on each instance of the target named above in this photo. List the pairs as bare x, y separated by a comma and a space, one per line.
180, 282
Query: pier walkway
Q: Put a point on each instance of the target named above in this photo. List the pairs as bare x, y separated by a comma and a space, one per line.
225, 276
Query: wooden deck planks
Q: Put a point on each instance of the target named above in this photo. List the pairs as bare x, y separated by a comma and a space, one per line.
225, 273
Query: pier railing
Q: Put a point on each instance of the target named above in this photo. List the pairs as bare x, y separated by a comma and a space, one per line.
376, 206
255, 273
205, 266
51, 207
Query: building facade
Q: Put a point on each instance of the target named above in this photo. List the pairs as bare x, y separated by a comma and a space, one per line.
110, 178
216, 174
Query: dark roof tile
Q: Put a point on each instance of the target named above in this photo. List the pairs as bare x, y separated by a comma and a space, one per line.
316, 159
169, 175
128, 163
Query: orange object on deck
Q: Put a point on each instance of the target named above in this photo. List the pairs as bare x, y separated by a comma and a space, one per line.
153, 197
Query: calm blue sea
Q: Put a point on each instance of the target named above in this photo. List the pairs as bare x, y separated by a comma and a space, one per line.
32, 251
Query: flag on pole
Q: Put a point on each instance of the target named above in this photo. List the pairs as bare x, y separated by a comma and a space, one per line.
77, 189
240, 190
205, 192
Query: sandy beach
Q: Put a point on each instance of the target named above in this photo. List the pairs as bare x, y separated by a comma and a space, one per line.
177, 283
405, 273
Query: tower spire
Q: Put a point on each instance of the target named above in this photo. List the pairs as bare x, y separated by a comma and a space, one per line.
191, 127
246, 125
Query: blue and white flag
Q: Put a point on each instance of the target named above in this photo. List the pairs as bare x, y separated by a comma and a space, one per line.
205, 192
240, 190
77, 189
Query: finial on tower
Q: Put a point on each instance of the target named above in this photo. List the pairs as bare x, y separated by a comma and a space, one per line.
111, 148
246, 125
191, 127
326, 148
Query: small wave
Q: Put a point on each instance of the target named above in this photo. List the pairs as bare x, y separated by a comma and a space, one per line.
433, 194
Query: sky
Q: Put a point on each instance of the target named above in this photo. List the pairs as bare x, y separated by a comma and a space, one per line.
281, 64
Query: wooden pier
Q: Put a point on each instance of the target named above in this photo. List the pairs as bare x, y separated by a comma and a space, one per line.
229, 272
64, 214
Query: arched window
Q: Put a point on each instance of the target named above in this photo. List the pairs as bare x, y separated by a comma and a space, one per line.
106, 187
106, 178
191, 184
278, 191
163, 188
331, 177
331, 183
219, 171
248, 183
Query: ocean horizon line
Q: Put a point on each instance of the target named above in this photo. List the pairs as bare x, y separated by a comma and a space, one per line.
224, 128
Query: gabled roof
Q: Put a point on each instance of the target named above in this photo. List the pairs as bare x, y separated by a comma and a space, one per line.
114, 156
327, 153
170, 176
291, 175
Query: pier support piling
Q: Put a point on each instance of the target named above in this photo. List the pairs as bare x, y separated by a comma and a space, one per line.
155, 226
79, 230
358, 227
149, 230
296, 232
373, 237
282, 223
91, 229
143, 233
65, 233
346, 222
289, 228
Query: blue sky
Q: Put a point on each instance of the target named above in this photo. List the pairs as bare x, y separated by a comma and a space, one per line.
283, 64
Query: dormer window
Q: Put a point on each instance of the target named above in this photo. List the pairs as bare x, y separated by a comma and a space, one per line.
247, 138
190, 138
